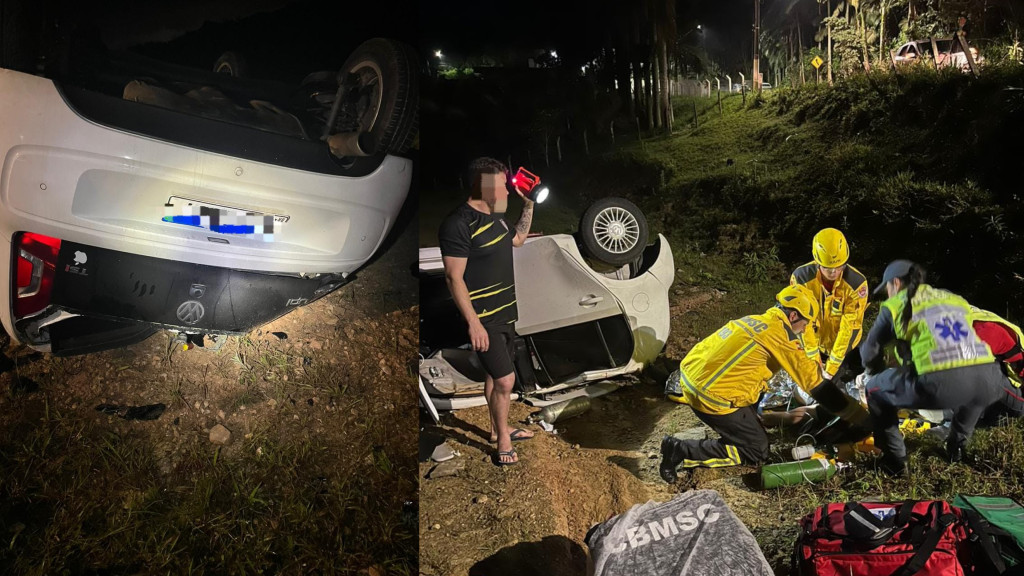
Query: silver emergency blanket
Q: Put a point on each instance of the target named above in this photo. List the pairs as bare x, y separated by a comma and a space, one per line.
673, 386
783, 392
695, 534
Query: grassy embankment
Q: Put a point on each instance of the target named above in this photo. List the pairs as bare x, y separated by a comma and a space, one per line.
921, 166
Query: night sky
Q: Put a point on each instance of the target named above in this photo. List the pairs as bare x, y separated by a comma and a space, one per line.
461, 27
280, 39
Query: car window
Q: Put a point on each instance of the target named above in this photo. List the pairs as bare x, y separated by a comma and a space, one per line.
943, 45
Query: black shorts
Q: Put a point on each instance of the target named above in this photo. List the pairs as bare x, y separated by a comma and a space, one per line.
497, 361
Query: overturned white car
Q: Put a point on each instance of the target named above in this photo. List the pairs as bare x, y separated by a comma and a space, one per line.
138, 195
577, 324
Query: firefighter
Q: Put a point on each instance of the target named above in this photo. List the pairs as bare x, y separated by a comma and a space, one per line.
947, 365
723, 377
842, 293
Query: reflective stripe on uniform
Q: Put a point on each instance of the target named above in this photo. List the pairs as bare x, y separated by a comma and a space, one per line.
699, 393
728, 364
733, 459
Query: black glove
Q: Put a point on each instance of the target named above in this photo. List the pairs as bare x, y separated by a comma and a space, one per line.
836, 401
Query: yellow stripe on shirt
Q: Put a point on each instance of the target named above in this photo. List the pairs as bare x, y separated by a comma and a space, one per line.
495, 241
482, 229
485, 288
489, 312
490, 293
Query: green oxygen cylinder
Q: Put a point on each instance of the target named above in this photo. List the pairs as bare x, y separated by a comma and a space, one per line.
792, 473
562, 410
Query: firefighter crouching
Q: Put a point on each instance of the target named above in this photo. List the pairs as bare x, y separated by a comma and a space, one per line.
725, 374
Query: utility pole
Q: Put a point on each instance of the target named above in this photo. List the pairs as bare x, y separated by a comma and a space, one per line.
755, 82
829, 40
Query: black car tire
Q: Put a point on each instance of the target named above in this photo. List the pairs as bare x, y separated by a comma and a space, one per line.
384, 70
232, 64
613, 231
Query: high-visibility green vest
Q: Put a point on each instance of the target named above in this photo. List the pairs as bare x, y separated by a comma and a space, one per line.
979, 315
940, 332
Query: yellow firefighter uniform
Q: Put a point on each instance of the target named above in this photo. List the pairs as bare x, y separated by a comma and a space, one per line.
730, 369
839, 326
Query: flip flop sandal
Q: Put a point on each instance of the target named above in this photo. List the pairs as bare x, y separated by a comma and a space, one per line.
510, 453
518, 435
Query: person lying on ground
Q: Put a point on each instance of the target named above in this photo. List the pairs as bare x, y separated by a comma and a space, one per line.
949, 365
723, 376
842, 293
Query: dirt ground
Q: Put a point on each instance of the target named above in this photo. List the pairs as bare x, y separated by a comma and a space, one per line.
532, 518
318, 475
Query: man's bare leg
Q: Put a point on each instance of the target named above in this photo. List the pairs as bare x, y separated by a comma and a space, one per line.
498, 406
488, 391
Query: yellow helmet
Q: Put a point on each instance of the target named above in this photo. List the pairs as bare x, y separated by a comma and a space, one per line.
799, 298
830, 248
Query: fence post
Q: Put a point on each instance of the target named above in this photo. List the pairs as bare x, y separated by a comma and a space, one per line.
695, 126
720, 113
558, 144
611, 127
728, 79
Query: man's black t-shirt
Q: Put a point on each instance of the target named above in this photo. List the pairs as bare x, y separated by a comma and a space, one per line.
485, 240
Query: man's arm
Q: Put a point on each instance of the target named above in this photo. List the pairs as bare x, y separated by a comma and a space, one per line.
523, 226
881, 333
454, 271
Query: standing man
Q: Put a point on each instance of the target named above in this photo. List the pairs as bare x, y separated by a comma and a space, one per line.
723, 376
476, 248
842, 292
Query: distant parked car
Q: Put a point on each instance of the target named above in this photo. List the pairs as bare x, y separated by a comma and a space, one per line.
766, 86
947, 53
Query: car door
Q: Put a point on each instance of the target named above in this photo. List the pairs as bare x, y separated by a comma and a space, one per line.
571, 322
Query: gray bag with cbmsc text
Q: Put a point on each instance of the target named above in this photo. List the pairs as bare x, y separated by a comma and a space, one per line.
695, 534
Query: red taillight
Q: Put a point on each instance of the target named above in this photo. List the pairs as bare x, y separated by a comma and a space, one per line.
35, 262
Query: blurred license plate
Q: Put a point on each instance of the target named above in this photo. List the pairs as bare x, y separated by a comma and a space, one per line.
223, 219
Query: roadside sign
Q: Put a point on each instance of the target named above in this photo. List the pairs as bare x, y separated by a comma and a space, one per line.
817, 62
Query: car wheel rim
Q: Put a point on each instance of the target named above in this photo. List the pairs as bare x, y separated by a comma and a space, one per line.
365, 99
616, 230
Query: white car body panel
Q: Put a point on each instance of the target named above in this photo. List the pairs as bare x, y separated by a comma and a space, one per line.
69, 178
547, 303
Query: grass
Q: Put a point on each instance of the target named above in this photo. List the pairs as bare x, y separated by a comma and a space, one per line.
74, 499
888, 161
